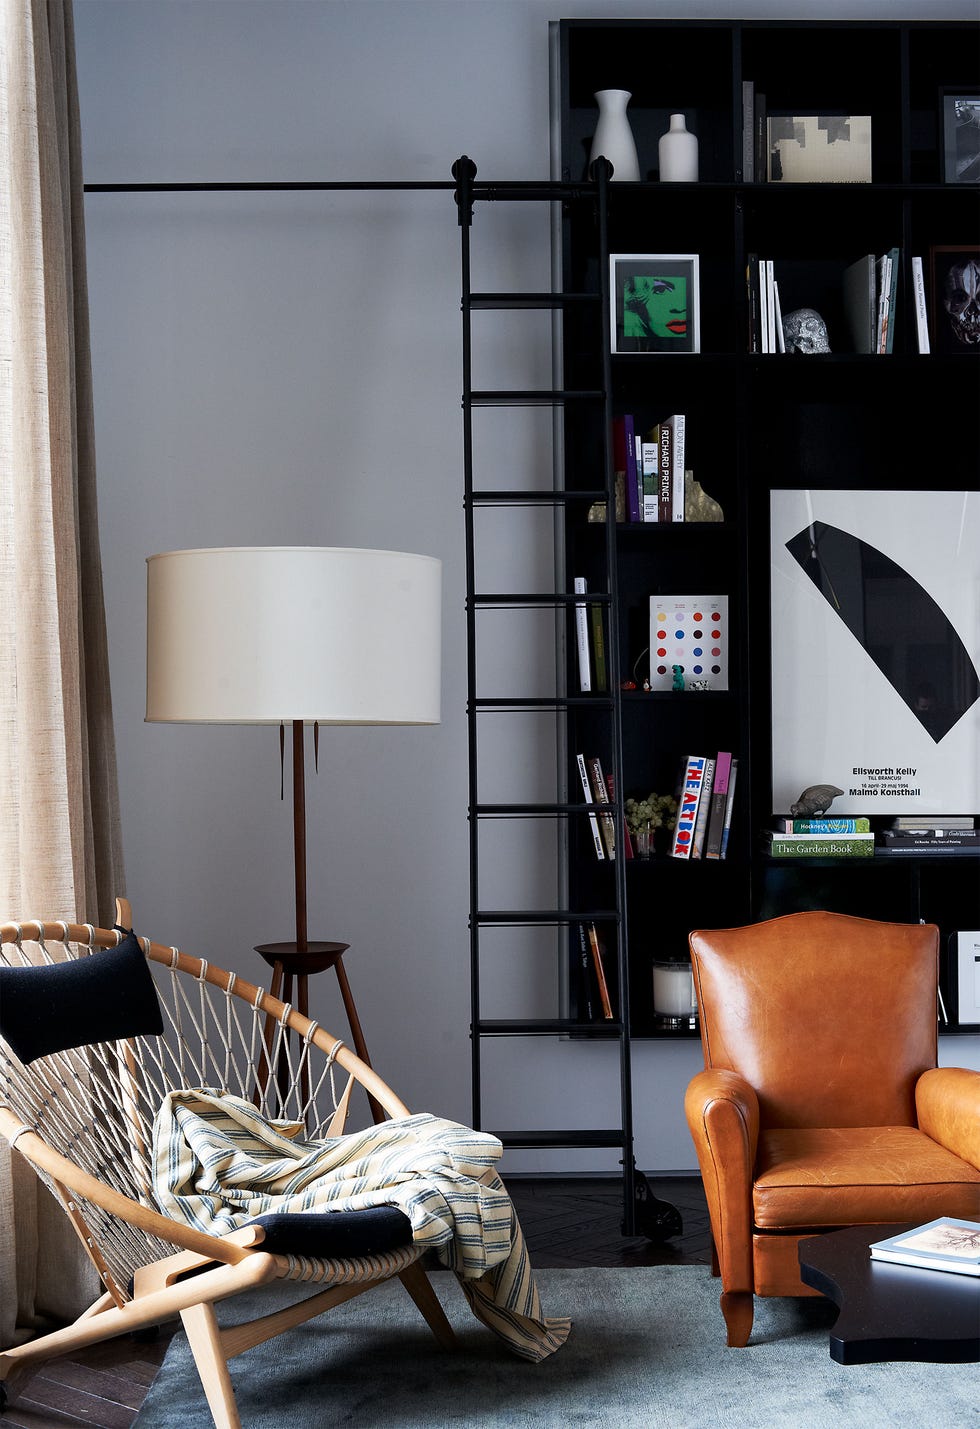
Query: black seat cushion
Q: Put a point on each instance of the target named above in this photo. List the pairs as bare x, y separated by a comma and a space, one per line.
335, 1235
95, 998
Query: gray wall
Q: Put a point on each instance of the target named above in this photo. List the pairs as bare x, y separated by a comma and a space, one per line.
286, 369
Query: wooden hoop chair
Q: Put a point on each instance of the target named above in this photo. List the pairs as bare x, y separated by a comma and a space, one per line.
83, 1119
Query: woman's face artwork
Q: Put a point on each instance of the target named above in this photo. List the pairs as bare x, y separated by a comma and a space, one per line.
655, 307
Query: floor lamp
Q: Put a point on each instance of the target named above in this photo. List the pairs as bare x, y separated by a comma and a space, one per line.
295, 635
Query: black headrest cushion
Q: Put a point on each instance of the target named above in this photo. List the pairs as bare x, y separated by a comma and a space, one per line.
335, 1235
94, 998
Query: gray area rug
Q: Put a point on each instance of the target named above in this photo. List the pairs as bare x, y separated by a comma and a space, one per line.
647, 1348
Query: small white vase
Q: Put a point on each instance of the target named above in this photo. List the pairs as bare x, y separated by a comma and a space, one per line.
613, 136
678, 150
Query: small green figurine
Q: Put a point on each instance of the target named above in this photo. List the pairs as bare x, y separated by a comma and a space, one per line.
678, 677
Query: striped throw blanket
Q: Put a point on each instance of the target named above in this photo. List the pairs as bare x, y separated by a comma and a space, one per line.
217, 1164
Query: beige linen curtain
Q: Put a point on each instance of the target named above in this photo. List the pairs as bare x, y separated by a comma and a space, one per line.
59, 818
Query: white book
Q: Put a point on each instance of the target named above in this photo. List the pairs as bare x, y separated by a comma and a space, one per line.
884, 289
677, 469
780, 335
651, 480
942, 1244
919, 298
763, 309
582, 637
770, 307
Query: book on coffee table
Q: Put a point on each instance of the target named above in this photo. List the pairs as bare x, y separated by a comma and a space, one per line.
943, 1244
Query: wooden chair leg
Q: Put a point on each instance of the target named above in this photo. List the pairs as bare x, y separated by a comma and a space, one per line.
204, 1338
416, 1282
738, 1309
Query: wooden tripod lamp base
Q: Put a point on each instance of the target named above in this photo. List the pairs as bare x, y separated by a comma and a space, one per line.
288, 961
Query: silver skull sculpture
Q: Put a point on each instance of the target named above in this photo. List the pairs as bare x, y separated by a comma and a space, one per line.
961, 299
805, 331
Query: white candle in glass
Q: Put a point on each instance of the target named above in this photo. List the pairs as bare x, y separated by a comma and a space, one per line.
673, 989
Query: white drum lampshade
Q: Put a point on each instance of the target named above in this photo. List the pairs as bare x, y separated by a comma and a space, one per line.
270, 634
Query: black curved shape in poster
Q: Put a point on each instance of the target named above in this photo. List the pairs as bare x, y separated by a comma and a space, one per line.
897, 622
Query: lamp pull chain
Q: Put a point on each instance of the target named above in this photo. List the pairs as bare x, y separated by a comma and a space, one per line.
282, 761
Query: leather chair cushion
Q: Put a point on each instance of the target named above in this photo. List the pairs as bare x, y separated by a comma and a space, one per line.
815, 1177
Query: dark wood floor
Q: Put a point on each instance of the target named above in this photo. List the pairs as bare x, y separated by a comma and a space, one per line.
567, 1223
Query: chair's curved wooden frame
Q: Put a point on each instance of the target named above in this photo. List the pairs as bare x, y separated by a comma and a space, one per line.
238, 1262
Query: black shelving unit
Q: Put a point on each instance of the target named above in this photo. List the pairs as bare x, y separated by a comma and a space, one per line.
755, 423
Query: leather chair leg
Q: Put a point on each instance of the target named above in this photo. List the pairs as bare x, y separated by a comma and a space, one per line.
738, 1309
715, 1264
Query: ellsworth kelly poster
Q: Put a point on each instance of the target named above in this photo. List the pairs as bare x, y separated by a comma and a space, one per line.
875, 611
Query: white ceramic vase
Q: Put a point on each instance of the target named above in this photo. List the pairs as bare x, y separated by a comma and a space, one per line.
614, 137
678, 151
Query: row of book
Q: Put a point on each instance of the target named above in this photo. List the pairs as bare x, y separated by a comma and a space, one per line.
704, 806
853, 838
870, 300
652, 467
597, 788
590, 641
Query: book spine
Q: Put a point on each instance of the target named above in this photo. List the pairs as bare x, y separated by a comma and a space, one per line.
704, 807
583, 775
748, 131
677, 469
894, 258
599, 648
919, 294
752, 297
632, 488
665, 469
827, 826
605, 1001
726, 831
651, 480
763, 309
627, 836
600, 795
761, 140
770, 306
801, 847
582, 638
586, 1009
687, 805
885, 289
719, 799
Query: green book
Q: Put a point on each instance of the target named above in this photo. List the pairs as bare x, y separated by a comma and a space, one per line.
822, 846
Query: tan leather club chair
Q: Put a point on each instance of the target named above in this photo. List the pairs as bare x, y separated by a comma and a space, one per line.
821, 1104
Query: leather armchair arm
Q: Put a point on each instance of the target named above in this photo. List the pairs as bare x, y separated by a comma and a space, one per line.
947, 1105
723, 1116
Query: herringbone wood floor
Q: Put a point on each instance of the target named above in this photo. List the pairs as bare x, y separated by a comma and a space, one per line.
566, 1224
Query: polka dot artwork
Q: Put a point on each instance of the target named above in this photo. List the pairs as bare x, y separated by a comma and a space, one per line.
689, 642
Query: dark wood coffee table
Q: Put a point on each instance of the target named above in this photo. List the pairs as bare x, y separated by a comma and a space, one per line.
887, 1311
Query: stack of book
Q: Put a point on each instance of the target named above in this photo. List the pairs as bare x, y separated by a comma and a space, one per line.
822, 838
597, 789
651, 468
704, 806
937, 834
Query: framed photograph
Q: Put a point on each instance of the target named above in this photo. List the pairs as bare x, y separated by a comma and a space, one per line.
655, 302
819, 148
961, 135
954, 293
876, 649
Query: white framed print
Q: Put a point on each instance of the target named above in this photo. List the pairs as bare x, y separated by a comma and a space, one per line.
875, 641
655, 302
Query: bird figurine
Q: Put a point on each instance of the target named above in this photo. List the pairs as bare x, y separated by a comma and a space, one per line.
815, 800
